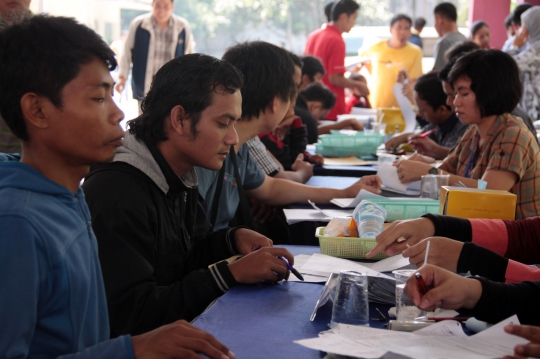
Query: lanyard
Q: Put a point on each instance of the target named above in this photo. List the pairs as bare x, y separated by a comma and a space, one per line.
469, 163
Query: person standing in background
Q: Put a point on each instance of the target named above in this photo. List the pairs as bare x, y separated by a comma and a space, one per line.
481, 34
389, 58
328, 45
153, 40
419, 24
446, 26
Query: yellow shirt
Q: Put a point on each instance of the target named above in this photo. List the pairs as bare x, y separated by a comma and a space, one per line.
386, 62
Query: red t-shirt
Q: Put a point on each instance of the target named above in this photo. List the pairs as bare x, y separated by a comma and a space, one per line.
328, 45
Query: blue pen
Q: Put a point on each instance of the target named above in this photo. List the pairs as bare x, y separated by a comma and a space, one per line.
293, 271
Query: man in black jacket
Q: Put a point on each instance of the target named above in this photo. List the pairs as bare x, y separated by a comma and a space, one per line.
158, 259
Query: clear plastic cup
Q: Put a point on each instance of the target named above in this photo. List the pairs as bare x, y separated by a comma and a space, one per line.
430, 186
405, 309
351, 305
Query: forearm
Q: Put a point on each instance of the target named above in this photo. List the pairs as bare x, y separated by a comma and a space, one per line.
300, 176
523, 243
500, 301
451, 227
441, 152
281, 192
483, 262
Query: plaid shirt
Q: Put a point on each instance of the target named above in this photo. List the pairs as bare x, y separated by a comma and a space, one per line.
509, 146
162, 50
257, 151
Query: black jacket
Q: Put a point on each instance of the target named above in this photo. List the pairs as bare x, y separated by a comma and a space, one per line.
152, 248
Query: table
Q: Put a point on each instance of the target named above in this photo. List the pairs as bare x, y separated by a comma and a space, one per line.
262, 321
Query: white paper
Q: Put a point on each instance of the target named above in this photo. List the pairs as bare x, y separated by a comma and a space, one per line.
320, 263
353, 202
313, 215
406, 109
438, 341
390, 179
389, 264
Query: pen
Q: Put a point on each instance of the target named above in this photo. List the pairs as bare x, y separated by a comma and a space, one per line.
421, 284
425, 134
293, 271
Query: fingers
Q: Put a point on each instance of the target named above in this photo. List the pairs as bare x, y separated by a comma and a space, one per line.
525, 331
300, 157
527, 350
384, 240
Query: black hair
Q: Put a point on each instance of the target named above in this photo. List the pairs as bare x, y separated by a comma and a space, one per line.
296, 59
476, 26
453, 53
41, 55
268, 72
508, 21
320, 93
189, 81
312, 65
399, 17
520, 9
494, 77
446, 10
328, 10
419, 23
347, 7
428, 87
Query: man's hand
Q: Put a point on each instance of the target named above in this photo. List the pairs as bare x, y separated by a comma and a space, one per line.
443, 252
262, 212
427, 147
521, 37
261, 266
316, 160
412, 231
447, 290
302, 167
248, 241
120, 85
410, 171
421, 158
529, 332
178, 340
369, 183
396, 140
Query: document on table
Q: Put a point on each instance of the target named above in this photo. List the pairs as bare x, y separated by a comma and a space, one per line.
353, 202
389, 264
445, 339
313, 215
345, 161
391, 182
406, 108
322, 264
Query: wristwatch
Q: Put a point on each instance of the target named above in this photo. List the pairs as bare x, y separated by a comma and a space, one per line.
433, 171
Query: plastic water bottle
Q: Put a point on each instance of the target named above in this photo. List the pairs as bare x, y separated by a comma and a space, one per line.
370, 219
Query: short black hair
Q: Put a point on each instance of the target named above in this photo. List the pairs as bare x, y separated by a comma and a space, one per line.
520, 9
268, 72
428, 87
494, 77
455, 52
41, 55
344, 7
508, 21
189, 81
399, 17
476, 26
328, 10
320, 93
312, 65
296, 59
419, 23
446, 10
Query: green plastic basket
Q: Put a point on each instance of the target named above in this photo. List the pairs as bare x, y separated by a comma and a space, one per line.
405, 208
339, 145
346, 247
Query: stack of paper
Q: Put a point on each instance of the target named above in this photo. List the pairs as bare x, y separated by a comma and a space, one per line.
445, 339
353, 202
391, 182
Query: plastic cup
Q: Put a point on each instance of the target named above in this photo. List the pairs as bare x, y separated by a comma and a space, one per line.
430, 186
405, 310
370, 218
351, 305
